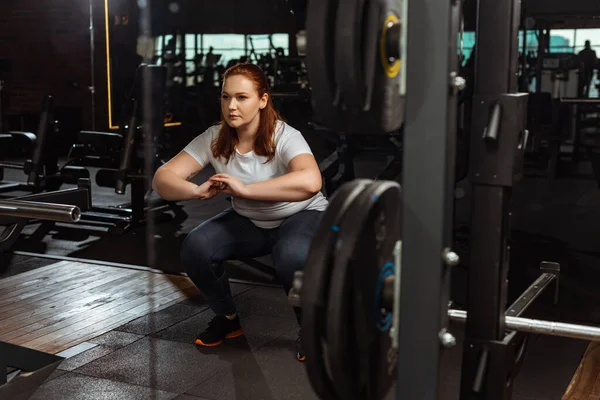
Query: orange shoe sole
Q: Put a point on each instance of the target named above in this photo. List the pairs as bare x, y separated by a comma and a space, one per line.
230, 335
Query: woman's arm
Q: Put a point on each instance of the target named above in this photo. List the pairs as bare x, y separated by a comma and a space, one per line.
171, 180
302, 182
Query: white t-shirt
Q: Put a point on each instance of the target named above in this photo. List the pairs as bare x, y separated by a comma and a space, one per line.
251, 168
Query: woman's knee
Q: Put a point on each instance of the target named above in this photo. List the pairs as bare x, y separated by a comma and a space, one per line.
290, 255
196, 251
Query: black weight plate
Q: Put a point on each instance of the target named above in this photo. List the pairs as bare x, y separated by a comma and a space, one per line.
368, 233
315, 287
377, 243
320, 25
362, 63
349, 53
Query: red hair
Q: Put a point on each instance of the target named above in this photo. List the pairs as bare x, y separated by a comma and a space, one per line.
264, 144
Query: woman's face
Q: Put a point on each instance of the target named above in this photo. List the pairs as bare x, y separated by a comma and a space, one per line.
240, 103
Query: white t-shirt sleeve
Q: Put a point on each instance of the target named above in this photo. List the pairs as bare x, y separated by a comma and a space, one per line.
199, 148
291, 144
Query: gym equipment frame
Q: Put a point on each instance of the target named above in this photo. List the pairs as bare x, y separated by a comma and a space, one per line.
429, 143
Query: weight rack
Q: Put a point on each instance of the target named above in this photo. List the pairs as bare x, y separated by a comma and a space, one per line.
491, 355
498, 137
428, 186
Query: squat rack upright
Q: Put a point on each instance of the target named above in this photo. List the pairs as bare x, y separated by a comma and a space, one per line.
428, 181
428, 184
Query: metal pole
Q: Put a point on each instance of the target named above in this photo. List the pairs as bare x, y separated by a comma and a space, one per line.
92, 87
38, 210
575, 100
1, 113
551, 328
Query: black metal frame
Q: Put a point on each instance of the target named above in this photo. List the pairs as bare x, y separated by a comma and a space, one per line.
42, 169
490, 366
39, 364
428, 181
492, 357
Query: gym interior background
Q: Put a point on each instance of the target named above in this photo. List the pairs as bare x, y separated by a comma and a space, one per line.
124, 321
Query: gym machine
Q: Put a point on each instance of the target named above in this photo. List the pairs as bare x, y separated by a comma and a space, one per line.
23, 370
120, 159
375, 291
338, 168
42, 169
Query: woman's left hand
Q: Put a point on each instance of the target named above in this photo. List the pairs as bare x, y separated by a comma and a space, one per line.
229, 184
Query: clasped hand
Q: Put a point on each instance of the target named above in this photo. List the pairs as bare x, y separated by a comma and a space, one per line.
222, 183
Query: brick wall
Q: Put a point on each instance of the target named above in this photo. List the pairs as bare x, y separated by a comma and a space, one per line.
48, 45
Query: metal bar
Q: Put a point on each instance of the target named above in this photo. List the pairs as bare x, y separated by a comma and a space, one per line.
104, 217
490, 133
80, 196
127, 150
519, 306
429, 139
496, 62
92, 87
397, 286
328, 163
41, 137
488, 261
491, 171
562, 329
11, 187
37, 210
576, 100
9, 165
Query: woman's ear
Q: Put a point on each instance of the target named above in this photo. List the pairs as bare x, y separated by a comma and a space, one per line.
263, 101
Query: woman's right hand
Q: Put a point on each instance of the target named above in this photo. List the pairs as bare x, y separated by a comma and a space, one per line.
206, 191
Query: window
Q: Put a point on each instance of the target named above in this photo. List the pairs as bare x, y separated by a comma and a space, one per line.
593, 35
532, 41
228, 46
562, 40
581, 35
257, 45
468, 42
282, 40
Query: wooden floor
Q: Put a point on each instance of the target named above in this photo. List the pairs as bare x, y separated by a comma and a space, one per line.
585, 384
61, 305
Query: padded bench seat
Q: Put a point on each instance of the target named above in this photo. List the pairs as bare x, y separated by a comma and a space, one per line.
104, 139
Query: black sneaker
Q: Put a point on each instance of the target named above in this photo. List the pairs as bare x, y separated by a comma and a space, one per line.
219, 328
299, 353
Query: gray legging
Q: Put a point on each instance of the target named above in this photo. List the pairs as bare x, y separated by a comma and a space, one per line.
229, 236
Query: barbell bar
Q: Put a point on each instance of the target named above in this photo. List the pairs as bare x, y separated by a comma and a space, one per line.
39, 210
520, 324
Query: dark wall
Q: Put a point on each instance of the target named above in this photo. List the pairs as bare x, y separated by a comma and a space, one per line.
223, 16
586, 8
46, 44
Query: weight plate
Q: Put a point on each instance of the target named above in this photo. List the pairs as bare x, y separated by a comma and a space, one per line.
367, 73
359, 343
315, 286
349, 38
320, 28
